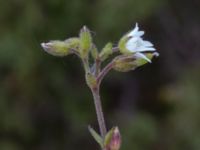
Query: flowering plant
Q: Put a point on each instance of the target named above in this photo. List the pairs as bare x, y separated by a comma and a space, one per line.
132, 52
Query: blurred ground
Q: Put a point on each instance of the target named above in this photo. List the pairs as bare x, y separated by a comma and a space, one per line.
44, 102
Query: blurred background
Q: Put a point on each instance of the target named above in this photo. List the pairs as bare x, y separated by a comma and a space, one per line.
45, 103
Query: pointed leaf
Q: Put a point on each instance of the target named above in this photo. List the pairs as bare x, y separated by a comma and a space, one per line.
96, 136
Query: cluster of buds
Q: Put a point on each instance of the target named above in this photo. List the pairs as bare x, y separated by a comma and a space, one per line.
131, 52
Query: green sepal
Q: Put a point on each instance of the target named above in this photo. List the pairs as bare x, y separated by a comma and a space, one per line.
106, 51
96, 136
94, 52
141, 61
124, 63
61, 48
122, 45
91, 80
57, 48
112, 140
73, 42
108, 137
125, 67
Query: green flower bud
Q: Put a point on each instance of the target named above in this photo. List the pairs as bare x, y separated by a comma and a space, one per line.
125, 63
56, 48
85, 41
113, 139
73, 42
61, 48
106, 51
124, 67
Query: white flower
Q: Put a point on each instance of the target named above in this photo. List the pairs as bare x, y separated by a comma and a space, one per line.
137, 45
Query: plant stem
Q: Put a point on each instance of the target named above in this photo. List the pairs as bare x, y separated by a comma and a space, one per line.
97, 66
99, 111
99, 75
86, 65
105, 70
115, 49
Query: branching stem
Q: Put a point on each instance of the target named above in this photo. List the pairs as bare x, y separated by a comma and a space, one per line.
97, 100
104, 71
98, 75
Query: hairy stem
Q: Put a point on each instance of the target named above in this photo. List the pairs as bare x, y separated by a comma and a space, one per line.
99, 75
86, 65
99, 111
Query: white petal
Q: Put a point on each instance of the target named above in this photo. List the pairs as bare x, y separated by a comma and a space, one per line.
140, 55
134, 31
156, 54
131, 47
133, 40
140, 41
136, 42
131, 44
147, 44
43, 45
144, 49
46, 45
139, 34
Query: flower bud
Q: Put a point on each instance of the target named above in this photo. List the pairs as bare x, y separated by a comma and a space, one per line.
113, 139
73, 42
60, 48
85, 41
124, 63
106, 51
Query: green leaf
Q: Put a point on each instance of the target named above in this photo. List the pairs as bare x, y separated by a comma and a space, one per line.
96, 136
